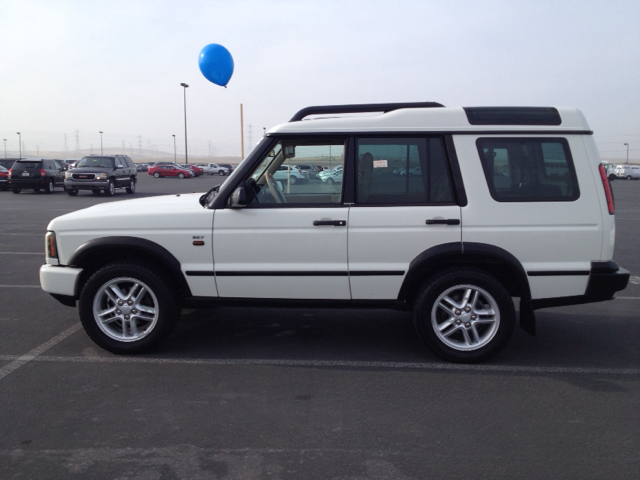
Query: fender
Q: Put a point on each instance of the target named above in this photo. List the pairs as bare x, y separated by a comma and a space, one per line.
463, 253
81, 256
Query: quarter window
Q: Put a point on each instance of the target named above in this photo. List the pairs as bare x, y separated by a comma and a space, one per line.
402, 171
528, 169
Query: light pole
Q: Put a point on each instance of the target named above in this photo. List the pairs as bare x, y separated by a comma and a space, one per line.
175, 155
186, 155
627, 152
19, 144
101, 151
5, 147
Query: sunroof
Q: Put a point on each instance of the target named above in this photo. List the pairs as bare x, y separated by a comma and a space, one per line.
513, 115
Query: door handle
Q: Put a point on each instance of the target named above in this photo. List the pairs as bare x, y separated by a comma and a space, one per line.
335, 223
443, 221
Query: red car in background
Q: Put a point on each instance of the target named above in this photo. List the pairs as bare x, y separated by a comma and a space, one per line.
197, 171
4, 178
169, 171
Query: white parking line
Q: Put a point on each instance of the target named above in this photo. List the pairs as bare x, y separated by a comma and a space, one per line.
20, 286
21, 253
342, 363
21, 360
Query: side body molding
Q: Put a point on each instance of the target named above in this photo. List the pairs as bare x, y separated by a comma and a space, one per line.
82, 257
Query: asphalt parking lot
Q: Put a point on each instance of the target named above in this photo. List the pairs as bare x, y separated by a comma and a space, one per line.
297, 394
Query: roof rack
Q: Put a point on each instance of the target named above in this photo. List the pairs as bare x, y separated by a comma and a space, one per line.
360, 108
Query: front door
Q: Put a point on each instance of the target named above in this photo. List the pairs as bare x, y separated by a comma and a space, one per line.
290, 241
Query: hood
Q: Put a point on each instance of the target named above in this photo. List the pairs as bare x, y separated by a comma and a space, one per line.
167, 211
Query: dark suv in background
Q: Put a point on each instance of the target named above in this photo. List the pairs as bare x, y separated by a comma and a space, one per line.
101, 173
44, 174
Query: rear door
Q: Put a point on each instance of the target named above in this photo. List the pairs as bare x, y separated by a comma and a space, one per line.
397, 216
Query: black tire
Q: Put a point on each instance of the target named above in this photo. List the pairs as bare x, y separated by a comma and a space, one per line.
221, 173
132, 185
156, 174
455, 339
72, 192
110, 189
15, 189
330, 181
95, 192
116, 336
180, 175
293, 179
628, 177
50, 185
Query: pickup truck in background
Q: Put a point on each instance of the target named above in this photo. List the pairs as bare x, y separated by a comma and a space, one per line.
213, 169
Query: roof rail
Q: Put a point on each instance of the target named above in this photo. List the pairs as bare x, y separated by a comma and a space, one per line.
360, 108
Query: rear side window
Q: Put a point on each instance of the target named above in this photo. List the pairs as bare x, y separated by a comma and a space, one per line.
528, 169
402, 171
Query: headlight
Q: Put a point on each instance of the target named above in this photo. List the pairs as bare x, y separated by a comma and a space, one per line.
101, 176
50, 245
68, 174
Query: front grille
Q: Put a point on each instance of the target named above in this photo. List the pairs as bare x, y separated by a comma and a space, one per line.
84, 176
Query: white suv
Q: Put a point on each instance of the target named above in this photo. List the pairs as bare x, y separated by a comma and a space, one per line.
510, 202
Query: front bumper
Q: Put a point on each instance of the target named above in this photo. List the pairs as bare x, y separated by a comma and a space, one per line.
85, 185
59, 280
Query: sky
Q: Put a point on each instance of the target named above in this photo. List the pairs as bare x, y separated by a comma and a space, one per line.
70, 69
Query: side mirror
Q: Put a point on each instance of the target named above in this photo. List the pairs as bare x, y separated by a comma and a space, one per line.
119, 166
239, 198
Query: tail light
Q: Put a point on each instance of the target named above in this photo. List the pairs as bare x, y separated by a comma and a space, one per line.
43, 173
607, 190
9, 174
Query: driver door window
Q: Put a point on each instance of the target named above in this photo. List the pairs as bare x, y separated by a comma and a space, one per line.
300, 171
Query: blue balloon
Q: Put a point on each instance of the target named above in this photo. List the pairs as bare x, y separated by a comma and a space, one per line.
216, 64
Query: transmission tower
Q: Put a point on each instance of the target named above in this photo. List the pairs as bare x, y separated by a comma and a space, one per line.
66, 146
75, 153
140, 144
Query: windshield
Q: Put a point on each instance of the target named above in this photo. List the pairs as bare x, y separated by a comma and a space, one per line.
97, 162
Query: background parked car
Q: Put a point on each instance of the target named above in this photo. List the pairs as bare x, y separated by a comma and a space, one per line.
141, 167
194, 169
213, 169
169, 171
288, 173
628, 172
44, 174
4, 178
333, 177
228, 166
101, 173
8, 162
312, 170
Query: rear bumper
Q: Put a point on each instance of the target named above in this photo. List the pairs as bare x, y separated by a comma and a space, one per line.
37, 182
605, 279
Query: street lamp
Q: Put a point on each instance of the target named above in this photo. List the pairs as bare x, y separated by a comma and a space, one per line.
101, 151
5, 147
175, 155
19, 144
627, 151
186, 155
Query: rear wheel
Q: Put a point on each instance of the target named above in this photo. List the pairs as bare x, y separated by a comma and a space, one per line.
48, 188
330, 181
15, 189
110, 189
292, 179
464, 315
156, 174
128, 308
628, 177
132, 185
72, 191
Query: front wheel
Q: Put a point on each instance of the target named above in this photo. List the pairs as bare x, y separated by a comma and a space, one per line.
132, 185
156, 174
48, 188
128, 308
330, 181
110, 189
181, 175
221, 173
464, 315
72, 191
